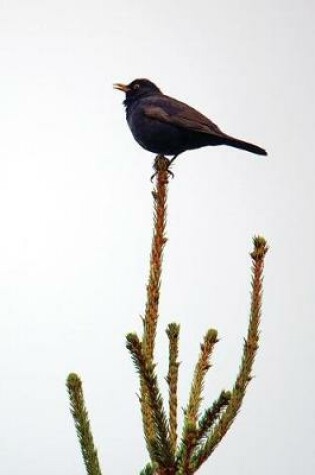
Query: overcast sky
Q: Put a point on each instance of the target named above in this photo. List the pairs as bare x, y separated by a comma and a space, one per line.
76, 214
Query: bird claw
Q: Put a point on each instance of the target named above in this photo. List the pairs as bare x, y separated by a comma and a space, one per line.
162, 164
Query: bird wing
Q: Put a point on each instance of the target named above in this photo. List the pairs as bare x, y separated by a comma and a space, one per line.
169, 110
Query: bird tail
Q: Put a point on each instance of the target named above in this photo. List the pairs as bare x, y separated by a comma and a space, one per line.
249, 147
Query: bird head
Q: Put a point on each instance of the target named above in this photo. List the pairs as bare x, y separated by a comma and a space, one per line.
136, 89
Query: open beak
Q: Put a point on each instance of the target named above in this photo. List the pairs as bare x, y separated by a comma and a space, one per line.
121, 87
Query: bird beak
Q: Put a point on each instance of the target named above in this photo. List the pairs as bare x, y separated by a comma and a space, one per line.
121, 87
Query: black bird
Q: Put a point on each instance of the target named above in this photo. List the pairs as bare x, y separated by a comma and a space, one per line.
166, 126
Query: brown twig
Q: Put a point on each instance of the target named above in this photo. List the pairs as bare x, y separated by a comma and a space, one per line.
82, 425
153, 287
211, 415
249, 353
172, 379
190, 433
160, 445
158, 243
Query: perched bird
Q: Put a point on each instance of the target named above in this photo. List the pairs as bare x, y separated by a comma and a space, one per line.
166, 126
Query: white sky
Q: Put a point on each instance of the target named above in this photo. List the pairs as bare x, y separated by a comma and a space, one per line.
75, 215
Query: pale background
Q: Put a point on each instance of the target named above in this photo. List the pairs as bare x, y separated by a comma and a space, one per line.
75, 224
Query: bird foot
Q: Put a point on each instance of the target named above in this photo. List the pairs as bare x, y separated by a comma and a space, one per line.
162, 164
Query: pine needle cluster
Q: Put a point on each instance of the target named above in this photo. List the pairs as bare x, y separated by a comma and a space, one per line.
202, 431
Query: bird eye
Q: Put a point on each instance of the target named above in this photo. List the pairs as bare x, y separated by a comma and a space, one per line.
136, 86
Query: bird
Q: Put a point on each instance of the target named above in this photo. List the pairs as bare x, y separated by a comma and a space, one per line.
168, 127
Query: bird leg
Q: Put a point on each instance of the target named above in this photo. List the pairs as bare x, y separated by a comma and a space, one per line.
162, 163
172, 160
